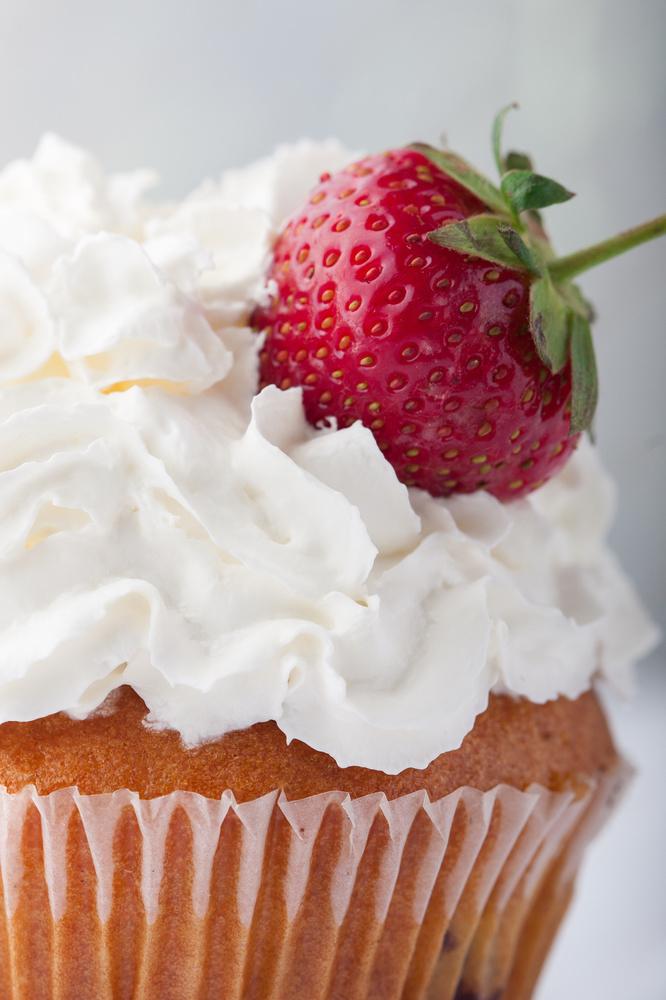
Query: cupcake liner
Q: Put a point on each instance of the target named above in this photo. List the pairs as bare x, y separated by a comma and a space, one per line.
111, 897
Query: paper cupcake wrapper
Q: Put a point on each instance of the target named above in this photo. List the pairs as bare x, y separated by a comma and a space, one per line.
111, 897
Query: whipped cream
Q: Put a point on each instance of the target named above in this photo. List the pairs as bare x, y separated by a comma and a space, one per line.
162, 526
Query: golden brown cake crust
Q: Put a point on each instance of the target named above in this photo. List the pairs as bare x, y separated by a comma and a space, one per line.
514, 742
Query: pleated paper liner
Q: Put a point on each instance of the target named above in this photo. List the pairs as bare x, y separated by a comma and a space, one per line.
110, 897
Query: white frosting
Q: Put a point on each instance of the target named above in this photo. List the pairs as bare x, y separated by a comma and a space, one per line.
163, 527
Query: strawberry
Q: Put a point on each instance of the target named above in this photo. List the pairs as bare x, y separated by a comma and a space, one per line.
413, 295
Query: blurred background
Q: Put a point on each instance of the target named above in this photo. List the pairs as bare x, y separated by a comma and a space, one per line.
194, 88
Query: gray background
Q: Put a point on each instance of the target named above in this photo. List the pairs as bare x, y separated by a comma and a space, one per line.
192, 88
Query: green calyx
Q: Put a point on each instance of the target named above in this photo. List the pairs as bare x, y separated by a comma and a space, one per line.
510, 234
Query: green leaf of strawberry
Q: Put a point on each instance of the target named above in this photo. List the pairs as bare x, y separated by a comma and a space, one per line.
487, 237
585, 384
465, 175
526, 190
549, 323
531, 259
517, 161
556, 305
496, 136
575, 300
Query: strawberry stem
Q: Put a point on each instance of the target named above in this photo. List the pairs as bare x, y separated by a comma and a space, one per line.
568, 267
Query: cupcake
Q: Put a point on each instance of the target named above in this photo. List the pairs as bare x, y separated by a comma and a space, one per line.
305, 587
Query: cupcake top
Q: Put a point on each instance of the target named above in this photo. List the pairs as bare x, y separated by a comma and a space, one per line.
163, 525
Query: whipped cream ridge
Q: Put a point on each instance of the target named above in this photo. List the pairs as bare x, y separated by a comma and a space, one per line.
163, 526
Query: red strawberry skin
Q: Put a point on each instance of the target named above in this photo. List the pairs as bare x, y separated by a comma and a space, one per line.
428, 348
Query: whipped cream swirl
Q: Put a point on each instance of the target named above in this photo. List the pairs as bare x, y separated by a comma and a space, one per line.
162, 526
